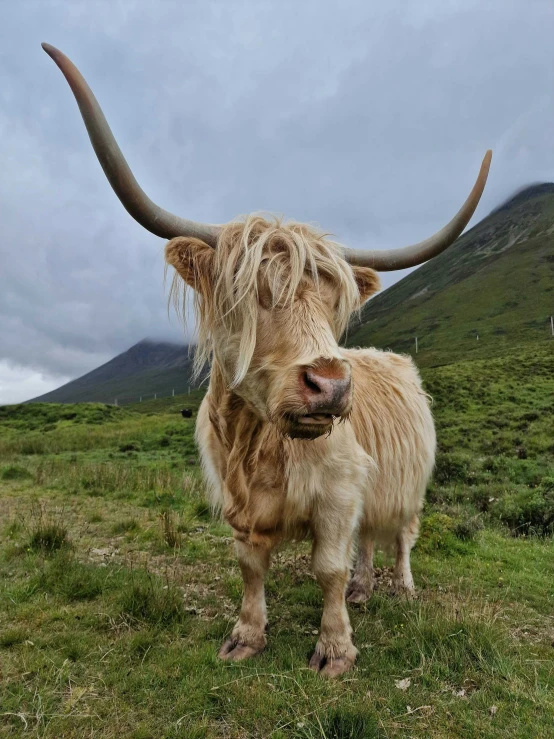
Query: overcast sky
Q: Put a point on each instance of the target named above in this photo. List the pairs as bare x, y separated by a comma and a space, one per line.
368, 119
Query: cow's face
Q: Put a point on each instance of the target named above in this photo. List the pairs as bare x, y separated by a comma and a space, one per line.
274, 312
298, 377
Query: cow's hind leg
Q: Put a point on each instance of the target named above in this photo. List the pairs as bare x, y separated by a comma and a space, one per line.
403, 582
362, 581
248, 637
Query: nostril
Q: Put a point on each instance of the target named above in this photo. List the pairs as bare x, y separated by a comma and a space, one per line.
311, 384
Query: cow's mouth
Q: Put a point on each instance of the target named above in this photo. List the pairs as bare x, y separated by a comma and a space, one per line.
308, 426
315, 419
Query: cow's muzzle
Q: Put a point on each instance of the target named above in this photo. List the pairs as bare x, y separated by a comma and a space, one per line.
325, 394
326, 389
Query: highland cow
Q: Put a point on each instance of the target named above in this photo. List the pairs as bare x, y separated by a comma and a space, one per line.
298, 435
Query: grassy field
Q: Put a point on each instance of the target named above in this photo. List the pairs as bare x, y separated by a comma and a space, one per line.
117, 587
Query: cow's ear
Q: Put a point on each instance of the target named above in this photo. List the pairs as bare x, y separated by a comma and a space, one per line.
192, 259
367, 280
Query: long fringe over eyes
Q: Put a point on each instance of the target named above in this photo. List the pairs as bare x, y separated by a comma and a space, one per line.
228, 294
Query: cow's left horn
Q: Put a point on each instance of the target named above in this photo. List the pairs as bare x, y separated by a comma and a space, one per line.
136, 202
410, 256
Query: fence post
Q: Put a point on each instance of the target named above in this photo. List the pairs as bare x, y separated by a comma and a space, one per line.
155, 396
552, 324
115, 402
173, 393
416, 344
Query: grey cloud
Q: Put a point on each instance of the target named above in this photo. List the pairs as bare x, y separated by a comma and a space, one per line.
369, 121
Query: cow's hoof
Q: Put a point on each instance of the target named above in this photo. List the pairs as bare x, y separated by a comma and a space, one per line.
330, 667
357, 593
234, 651
401, 591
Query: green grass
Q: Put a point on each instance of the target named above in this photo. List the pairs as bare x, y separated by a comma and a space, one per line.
496, 439
117, 586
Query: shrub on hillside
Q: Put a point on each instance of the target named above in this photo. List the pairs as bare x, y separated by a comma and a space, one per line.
527, 511
484, 496
467, 527
452, 468
437, 533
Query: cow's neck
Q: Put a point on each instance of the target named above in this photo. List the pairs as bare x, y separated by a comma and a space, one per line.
237, 426
243, 436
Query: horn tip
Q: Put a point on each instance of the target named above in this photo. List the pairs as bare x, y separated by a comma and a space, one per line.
50, 50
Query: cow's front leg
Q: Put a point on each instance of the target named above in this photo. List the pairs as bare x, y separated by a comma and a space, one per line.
248, 637
334, 652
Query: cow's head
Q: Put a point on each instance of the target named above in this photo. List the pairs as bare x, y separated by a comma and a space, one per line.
272, 298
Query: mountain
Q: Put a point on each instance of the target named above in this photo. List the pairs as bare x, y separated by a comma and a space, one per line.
490, 291
147, 368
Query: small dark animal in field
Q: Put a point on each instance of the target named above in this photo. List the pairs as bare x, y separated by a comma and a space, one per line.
186, 413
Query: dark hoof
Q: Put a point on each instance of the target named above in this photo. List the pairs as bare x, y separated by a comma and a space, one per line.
357, 593
233, 651
401, 591
330, 667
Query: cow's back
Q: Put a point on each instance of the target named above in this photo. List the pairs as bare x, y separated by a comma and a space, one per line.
393, 423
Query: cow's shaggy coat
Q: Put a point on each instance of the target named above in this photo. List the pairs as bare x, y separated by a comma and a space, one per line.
271, 298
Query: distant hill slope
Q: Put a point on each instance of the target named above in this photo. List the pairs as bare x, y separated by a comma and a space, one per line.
147, 368
496, 282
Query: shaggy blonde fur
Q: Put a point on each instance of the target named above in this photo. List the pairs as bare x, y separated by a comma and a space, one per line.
229, 296
273, 299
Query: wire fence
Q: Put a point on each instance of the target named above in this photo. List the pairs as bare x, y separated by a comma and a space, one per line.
164, 393
463, 343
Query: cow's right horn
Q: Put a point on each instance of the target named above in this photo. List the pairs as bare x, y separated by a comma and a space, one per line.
155, 219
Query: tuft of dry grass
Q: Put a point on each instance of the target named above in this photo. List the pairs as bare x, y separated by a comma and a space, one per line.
47, 531
170, 530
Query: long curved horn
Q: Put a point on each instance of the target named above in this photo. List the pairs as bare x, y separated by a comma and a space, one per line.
410, 256
134, 199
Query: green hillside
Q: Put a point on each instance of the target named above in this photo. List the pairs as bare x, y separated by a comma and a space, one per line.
146, 369
495, 283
